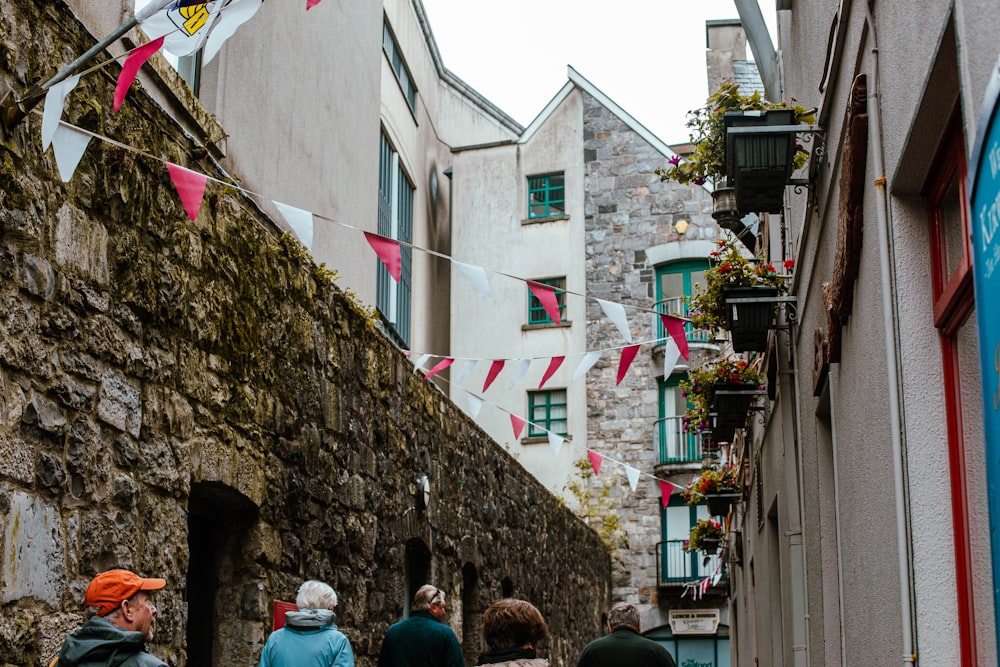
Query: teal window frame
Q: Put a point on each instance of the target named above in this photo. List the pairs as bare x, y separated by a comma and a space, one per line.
676, 566
390, 47
665, 303
537, 314
547, 195
395, 220
545, 402
671, 439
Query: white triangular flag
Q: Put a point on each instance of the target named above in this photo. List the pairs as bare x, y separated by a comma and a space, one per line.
299, 220
586, 364
466, 369
555, 443
522, 368
476, 275
69, 144
475, 405
420, 362
633, 476
55, 101
671, 353
715, 578
616, 313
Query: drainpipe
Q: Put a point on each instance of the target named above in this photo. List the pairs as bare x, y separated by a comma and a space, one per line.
891, 347
790, 429
762, 47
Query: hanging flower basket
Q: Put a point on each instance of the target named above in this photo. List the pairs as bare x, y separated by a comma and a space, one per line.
719, 503
748, 323
760, 164
706, 537
732, 403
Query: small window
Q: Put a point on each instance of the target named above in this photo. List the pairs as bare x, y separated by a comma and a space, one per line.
546, 412
395, 57
536, 311
546, 196
675, 283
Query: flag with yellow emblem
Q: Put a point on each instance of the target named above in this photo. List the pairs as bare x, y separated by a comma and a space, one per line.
189, 25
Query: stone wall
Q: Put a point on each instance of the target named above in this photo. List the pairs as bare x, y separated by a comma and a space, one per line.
197, 401
628, 211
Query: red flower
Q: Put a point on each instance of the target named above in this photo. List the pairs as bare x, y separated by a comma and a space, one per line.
725, 267
789, 264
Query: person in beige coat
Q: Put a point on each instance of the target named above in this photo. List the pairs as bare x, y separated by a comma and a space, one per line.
512, 629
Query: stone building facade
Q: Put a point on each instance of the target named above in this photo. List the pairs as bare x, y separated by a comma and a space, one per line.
195, 400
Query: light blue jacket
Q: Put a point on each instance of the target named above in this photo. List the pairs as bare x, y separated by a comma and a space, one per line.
309, 639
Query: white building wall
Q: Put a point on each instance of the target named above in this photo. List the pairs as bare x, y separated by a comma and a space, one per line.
490, 210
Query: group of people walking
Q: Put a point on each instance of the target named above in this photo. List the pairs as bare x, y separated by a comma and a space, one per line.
123, 614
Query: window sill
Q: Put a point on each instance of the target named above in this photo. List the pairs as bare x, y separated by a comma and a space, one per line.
564, 324
535, 221
540, 439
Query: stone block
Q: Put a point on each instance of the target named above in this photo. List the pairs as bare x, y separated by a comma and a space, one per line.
118, 403
81, 244
33, 566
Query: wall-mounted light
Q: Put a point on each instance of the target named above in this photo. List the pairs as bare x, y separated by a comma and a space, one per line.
681, 227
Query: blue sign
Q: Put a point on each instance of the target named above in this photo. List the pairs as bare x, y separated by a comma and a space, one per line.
984, 212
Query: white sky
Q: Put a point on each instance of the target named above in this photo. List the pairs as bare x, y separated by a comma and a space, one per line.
646, 55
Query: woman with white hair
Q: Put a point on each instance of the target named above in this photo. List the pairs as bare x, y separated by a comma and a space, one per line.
310, 637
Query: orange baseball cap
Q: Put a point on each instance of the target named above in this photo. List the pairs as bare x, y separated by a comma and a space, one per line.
109, 589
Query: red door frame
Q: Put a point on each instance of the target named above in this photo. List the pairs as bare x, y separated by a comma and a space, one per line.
953, 301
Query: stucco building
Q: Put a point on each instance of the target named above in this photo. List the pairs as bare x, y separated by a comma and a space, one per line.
866, 532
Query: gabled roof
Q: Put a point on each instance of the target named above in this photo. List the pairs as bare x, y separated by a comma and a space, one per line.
577, 80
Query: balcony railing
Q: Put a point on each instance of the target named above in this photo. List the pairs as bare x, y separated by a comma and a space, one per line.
673, 444
678, 306
676, 566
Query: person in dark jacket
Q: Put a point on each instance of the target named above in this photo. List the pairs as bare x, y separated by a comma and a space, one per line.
512, 629
310, 637
121, 624
423, 639
624, 646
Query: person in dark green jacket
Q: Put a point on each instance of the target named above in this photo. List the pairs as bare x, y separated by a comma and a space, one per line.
624, 646
423, 639
121, 625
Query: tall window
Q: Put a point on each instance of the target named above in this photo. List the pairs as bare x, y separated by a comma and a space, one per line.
673, 443
674, 282
546, 412
391, 49
546, 195
395, 220
951, 281
677, 565
536, 311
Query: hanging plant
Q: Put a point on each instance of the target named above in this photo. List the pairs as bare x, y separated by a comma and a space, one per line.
706, 536
708, 135
699, 388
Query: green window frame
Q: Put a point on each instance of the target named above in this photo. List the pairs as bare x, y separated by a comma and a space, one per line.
547, 412
547, 195
673, 444
676, 521
675, 282
395, 56
395, 220
536, 311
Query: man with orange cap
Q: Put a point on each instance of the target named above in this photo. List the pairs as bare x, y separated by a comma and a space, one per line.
121, 624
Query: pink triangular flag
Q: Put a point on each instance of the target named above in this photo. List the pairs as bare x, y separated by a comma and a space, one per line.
440, 366
131, 66
190, 187
388, 251
311, 3
518, 425
546, 294
666, 489
595, 461
550, 371
628, 354
675, 327
495, 369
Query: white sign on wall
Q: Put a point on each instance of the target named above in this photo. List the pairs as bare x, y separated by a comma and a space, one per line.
694, 621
